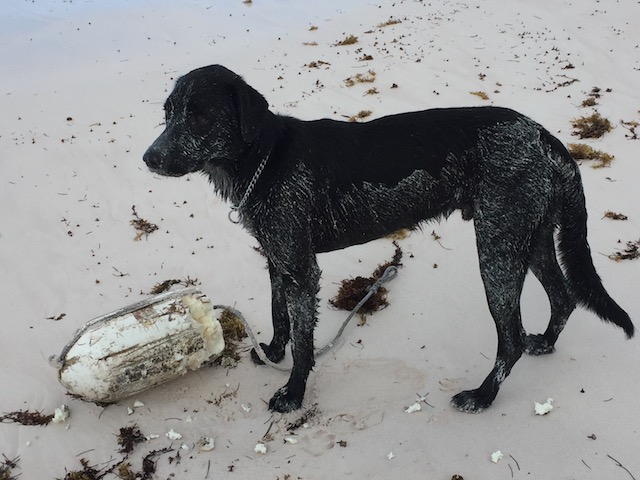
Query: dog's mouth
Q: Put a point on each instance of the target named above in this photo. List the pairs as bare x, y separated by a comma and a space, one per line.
166, 173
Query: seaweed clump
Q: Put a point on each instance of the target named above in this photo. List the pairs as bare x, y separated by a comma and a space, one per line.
233, 330
581, 151
348, 40
87, 473
129, 437
390, 22
7, 467
353, 290
368, 77
593, 126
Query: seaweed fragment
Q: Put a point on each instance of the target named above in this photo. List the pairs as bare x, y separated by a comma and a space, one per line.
87, 473
7, 467
631, 127
615, 215
581, 151
592, 96
361, 115
26, 417
368, 77
631, 252
307, 415
162, 287
390, 22
149, 463
129, 437
316, 64
142, 226
480, 94
566, 83
348, 40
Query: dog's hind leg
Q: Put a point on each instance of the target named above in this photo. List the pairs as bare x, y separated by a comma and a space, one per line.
280, 318
503, 268
544, 265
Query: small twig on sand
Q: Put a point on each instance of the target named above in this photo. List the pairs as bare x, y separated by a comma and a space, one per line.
622, 466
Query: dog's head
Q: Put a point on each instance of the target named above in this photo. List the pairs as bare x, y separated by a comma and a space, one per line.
211, 116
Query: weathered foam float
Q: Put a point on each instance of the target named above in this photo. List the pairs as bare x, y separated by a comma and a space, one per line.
146, 344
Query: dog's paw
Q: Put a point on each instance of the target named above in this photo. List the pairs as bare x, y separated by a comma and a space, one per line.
470, 401
272, 354
284, 401
538, 345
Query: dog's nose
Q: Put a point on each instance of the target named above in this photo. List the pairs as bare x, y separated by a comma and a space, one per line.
151, 158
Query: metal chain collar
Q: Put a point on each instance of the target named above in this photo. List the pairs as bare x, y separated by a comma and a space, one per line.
236, 208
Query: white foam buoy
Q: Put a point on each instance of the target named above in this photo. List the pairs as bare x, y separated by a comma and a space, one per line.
141, 346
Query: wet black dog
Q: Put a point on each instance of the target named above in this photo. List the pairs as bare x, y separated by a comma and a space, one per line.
305, 187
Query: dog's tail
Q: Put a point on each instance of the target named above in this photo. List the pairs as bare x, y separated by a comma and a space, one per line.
574, 252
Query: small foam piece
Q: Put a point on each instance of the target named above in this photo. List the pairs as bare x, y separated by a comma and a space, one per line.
543, 408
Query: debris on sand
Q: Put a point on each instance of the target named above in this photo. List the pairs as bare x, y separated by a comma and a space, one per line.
7, 467
142, 226
631, 252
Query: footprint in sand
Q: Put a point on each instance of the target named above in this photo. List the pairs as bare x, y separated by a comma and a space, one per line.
365, 383
448, 385
318, 442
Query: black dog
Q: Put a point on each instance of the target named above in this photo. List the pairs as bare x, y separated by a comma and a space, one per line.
305, 187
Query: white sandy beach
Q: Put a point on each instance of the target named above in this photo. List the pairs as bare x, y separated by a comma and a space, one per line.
82, 89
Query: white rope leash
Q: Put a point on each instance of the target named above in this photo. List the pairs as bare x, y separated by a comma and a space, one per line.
389, 274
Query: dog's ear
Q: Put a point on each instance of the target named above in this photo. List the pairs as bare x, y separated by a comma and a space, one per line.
252, 110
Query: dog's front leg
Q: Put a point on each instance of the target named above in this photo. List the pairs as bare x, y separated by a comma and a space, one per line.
300, 294
280, 318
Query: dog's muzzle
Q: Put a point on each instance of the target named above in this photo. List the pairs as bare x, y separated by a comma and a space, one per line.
160, 163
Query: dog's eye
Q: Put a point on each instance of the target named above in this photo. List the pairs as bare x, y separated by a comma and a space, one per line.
197, 120
196, 116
